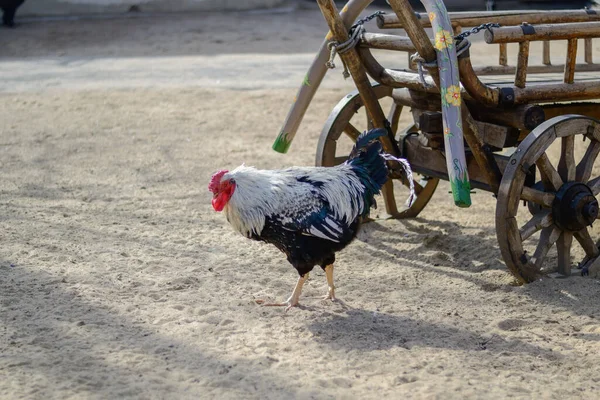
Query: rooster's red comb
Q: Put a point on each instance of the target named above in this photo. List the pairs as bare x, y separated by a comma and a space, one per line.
215, 180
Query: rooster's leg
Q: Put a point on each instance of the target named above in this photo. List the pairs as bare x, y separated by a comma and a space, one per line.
329, 275
293, 300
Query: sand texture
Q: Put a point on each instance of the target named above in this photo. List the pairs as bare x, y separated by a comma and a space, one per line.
118, 280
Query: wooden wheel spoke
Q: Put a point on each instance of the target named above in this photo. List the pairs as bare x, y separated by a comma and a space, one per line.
563, 246
394, 116
339, 160
544, 199
587, 243
539, 221
566, 165
550, 177
418, 187
538, 234
351, 132
594, 184
584, 168
548, 237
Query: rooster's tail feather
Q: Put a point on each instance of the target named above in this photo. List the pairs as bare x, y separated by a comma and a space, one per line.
367, 162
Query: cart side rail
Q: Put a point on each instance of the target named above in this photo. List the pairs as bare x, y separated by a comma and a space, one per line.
470, 19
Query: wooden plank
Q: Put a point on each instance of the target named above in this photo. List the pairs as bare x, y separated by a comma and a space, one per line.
387, 42
537, 222
522, 61
503, 57
545, 52
356, 69
587, 46
554, 92
312, 80
475, 18
566, 164
514, 34
587, 243
550, 176
548, 237
537, 196
533, 69
585, 166
563, 246
571, 61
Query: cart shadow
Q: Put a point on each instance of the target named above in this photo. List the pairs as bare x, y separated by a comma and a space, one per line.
363, 330
575, 294
437, 244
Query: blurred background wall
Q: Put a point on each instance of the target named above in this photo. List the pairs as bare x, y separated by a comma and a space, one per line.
80, 7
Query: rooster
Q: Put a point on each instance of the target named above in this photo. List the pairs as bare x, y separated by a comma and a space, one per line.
308, 213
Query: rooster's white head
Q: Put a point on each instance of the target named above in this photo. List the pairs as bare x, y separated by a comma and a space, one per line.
222, 189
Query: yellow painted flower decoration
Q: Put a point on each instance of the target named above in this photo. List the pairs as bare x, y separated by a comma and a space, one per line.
447, 131
431, 16
453, 95
443, 39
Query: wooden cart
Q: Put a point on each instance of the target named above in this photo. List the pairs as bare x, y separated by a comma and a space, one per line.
465, 127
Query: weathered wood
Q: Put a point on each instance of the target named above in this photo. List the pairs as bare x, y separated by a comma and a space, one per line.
532, 69
497, 136
566, 164
549, 175
339, 122
432, 162
403, 43
523, 117
312, 80
585, 166
533, 151
483, 155
352, 132
514, 34
387, 42
587, 47
416, 99
563, 246
588, 109
571, 61
594, 185
479, 91
394, 78
587, 243
537, 196
537, 222
522, 64
416, 32
476, 18
555, 92
548, 237
503, 57
423, 198
357, 71
545, 52
394, 116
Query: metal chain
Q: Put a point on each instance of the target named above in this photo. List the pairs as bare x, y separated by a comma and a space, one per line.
477, 29
461, 46
354, 36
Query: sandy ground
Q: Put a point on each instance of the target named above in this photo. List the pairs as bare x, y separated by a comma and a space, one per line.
118, 280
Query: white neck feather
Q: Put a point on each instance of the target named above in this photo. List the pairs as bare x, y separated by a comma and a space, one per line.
262, 193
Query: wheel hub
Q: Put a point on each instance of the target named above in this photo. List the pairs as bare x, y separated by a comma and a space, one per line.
574, 207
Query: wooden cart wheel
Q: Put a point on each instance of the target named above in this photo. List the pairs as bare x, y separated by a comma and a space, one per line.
333, 147
561, 195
